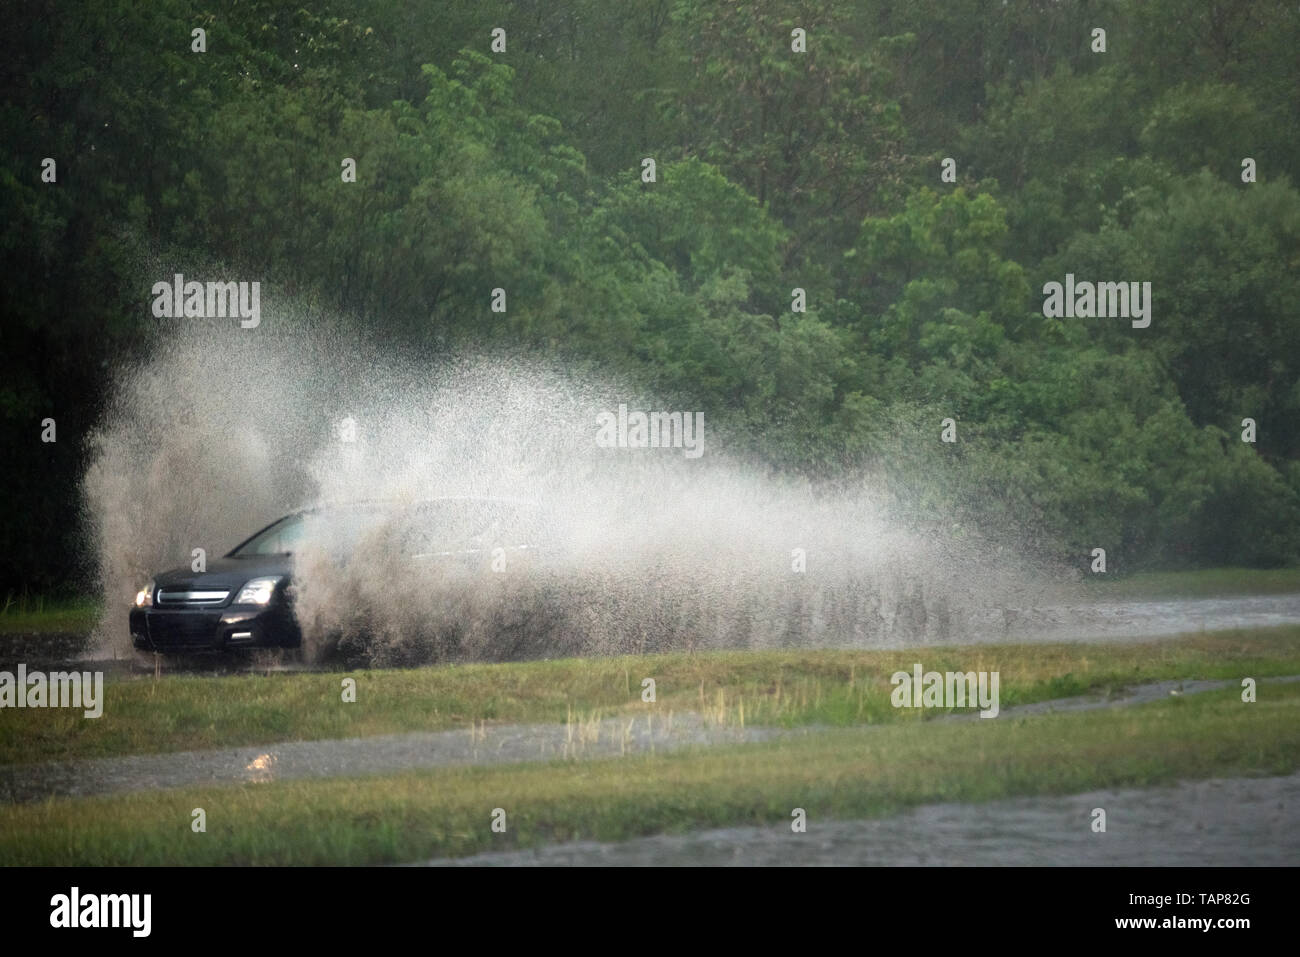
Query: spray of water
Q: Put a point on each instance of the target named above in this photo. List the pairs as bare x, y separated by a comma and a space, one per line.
217, 433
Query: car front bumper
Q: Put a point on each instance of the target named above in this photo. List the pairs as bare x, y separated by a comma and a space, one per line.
212, 629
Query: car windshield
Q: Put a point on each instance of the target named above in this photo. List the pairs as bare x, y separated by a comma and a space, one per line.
334, 528
421, 529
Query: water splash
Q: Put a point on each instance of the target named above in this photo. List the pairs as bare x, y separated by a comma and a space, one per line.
220, 432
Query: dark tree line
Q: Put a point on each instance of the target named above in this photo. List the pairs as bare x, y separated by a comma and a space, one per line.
775, 170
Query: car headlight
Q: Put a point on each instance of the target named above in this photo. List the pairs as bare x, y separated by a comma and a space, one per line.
144, 597
258, 591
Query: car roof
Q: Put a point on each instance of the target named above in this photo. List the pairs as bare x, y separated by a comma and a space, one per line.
412, 503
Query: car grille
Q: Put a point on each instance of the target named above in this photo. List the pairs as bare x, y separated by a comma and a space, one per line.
191, 598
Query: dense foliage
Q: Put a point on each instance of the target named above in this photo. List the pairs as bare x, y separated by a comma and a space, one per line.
775, 170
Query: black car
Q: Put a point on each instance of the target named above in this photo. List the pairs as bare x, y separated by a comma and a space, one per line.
244, 599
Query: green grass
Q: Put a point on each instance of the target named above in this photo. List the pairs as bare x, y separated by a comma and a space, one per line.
35, 614
787, 688
1201, 583
834, 773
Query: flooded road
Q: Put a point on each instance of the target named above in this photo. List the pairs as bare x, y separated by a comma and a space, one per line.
1219, 822
1085, 621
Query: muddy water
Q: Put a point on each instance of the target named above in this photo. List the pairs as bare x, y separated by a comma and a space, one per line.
1224, 822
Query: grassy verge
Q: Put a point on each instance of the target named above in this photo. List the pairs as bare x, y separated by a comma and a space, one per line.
838, 688
847, 772
25, 614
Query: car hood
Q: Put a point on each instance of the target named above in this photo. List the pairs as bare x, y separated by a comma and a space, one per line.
227, 573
